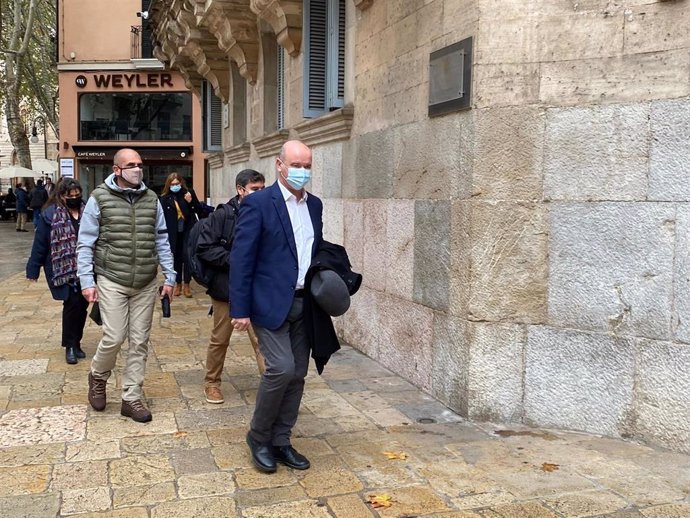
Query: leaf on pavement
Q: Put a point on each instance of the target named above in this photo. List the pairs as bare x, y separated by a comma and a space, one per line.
393, 455
548, 467
379, 501
177, 435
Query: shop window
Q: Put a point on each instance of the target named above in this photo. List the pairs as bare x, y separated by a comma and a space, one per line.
324, 56
212, 115
135, 116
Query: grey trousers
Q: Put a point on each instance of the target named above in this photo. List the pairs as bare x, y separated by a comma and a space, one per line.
286, 352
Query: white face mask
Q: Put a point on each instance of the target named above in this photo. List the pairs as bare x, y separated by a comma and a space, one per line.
133, 175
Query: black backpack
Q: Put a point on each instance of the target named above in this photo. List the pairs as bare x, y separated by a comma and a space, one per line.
201, 272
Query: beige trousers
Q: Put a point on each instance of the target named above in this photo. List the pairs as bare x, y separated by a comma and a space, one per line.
21, 220
220, 340
127, 313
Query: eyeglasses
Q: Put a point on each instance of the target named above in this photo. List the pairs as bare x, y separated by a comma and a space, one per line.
130, 166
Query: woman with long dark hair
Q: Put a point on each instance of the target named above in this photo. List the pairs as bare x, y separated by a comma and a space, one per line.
55, 249
181, 209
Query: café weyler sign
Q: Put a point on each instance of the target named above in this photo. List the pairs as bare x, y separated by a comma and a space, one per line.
151, 80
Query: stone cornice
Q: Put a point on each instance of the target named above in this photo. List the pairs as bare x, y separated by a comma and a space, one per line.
238, 153
285, 17
363, 4
327, 128
270, 144
215, 160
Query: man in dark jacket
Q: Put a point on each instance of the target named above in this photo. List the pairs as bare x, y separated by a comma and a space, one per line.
22, 207
37, 198
213, 246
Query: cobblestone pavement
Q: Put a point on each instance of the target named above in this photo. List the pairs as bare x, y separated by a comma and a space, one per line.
60, 458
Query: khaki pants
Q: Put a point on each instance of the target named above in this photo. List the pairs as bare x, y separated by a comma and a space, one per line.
127, 313
220, 340
21, 220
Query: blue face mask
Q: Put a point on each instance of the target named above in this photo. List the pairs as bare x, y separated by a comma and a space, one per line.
175, 188
298, 177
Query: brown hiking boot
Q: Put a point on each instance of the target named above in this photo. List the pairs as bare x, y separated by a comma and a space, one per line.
97, 393
187, 290
214, 395
136, 410
178, 290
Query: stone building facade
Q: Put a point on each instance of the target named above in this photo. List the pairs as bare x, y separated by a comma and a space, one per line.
524, 260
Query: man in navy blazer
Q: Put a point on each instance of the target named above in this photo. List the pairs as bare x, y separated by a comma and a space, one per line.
278, 232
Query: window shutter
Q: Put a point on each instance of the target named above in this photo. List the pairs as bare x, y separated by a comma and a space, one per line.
316, 24
336, 54
280, 97
212, 119
216, 122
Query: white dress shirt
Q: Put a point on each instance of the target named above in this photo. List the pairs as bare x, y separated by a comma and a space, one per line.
302, 229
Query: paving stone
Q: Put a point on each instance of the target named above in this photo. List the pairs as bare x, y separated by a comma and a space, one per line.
144, 495
216, 506
667, 511
205, 484
257, 497
140, 471
251, 478
30, 506
23, 480
80, 475
519, 510
329, 477
33, 454
107, 427
85, 500
412, 501
232, 456
189, 462
42, 425
23, 367
165, 442
132, 512
224, 436
349, 506
586, 503
210, 419
299, 509
85, 451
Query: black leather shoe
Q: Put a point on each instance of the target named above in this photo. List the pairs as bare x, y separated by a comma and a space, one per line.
262, 455
80, 354
290, 457
70, 355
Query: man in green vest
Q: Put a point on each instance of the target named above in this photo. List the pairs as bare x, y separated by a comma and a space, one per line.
122, 240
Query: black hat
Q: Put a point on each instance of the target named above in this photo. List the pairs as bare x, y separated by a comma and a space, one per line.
330, 292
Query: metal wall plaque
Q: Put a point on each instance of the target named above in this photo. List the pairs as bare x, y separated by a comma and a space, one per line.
450, 78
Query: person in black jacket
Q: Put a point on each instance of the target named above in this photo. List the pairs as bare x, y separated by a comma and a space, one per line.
181, 209
55, 249
213, 247
22, 200
37, 199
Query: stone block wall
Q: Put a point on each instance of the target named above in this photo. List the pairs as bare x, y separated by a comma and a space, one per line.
526, 260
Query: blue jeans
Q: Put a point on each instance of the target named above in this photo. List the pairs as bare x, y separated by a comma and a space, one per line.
37, 216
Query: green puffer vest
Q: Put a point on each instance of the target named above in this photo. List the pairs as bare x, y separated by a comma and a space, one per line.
126, 246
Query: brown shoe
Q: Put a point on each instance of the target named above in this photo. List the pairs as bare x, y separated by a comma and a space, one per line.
187, 290
136, 410
214, 395
178, 290
97, 393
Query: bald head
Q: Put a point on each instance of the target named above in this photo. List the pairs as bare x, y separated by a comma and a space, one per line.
127, 167
126, 155
294, 166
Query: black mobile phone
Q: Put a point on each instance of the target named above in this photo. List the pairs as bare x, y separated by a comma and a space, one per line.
165, 305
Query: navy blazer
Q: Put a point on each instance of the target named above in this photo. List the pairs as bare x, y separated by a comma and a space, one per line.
263, 259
